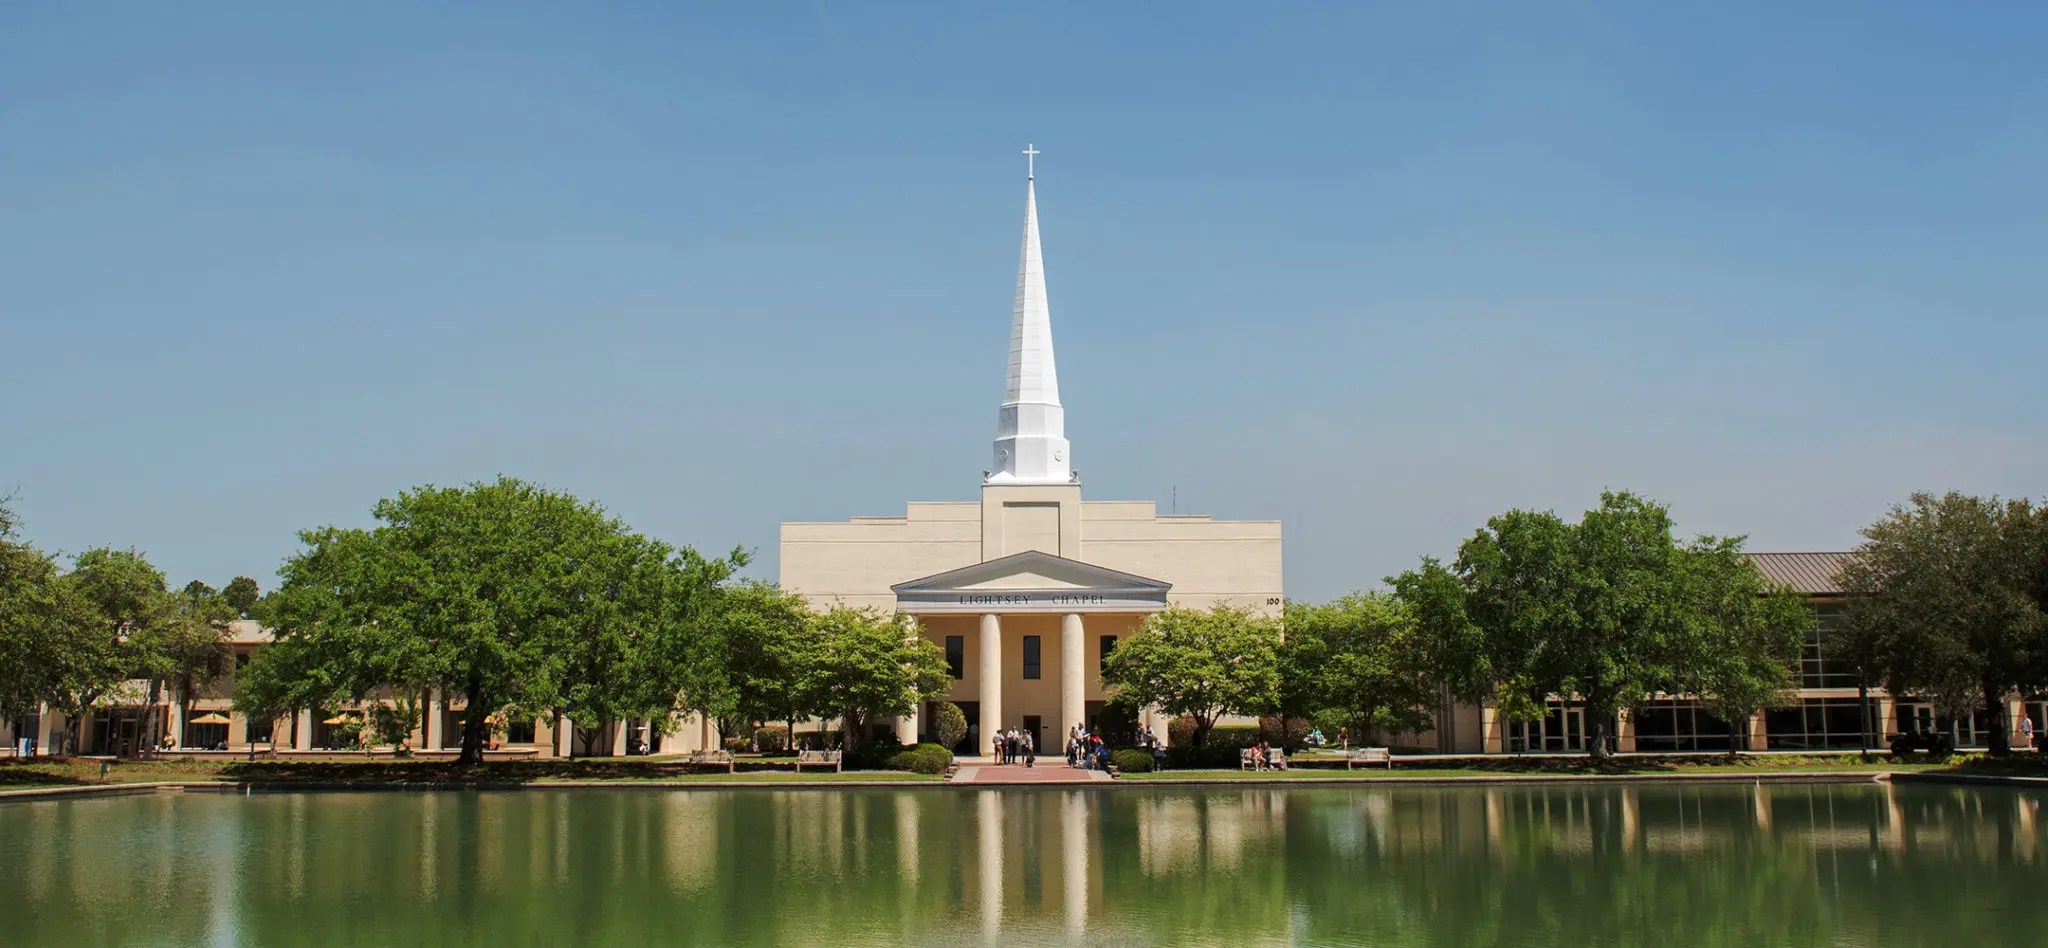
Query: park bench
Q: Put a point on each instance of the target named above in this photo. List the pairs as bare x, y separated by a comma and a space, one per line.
1369, 755
711, 758
817, 759
1248, 759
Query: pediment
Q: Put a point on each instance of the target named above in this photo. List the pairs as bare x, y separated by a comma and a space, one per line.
1029, 581
1031, 570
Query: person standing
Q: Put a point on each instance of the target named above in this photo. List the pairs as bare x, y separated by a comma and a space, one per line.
1030, 749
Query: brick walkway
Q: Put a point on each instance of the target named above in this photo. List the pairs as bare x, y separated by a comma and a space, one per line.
1053, 771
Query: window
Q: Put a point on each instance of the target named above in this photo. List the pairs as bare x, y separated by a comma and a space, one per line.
1030, 657
1818, 723
519, 731
1817, 669
1108, 646
1679, 725
260, 730
956, 655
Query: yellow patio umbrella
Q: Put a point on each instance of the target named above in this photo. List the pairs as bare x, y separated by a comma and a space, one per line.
342, 718
211, 717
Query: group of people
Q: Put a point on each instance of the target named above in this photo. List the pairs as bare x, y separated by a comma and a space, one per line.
1262, 757
1014, 745
1086, 750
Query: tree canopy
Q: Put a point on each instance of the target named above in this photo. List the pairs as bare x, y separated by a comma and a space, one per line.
503, 594
1945, 598
748, 662
865, 665
1200, 663
50, 643
1610, 611
1356, 658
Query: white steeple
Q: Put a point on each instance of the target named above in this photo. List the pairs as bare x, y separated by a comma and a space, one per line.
1031, 429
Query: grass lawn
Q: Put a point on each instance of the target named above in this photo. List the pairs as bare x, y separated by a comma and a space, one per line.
2017, 765
57, 772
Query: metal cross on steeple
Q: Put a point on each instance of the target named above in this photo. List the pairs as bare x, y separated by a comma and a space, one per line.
1030, 154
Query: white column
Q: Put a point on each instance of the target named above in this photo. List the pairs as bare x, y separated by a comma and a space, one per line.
302, 731
177, 716
1073, 688
49, 734
436, 720
991, 681
619, 739
565, 735
906, 726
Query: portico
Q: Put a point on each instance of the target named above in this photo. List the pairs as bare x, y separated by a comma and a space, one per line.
1017, 606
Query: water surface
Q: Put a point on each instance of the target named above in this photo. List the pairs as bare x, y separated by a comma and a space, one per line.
1501, 866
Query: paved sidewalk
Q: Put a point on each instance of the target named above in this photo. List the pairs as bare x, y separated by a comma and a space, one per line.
1053, 771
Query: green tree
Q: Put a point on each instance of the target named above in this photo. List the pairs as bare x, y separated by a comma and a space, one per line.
1945, 589
629, 649
868, 665
748, 661
949, 724
1607, 611
241, 595
1744, 636
505, 593
146, 631
1515, 627
1357, 658
49, 638
1450, 649
1202, 664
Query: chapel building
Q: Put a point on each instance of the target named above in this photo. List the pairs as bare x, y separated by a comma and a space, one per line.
1030, 587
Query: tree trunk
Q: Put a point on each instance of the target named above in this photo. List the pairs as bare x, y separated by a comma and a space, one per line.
146, 732
1596, 728
1863, 711
1994, 706
1735, 729
474, 728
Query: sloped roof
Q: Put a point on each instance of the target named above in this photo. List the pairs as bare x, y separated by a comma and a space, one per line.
1063, 571
1815, 574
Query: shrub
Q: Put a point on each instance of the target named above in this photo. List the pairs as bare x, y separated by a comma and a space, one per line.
1131, 760
737, 745
1190, 757
772, 738
1283, 732
949, 724
923, 759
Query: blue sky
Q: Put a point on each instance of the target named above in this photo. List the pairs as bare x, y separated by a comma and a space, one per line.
1378, 272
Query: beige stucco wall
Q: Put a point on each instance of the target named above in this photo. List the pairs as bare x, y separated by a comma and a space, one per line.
1207, 561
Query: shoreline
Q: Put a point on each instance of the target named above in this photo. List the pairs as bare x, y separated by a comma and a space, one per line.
94, 791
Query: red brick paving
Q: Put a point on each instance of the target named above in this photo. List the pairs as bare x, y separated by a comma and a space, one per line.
1055, 771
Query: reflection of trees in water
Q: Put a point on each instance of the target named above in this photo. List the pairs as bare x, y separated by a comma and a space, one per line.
1692, 864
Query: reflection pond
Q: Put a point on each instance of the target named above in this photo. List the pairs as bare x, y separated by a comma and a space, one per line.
1811, 864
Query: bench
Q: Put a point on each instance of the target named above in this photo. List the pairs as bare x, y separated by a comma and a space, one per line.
1248, 759
711, 758
817, 759
1369, 755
